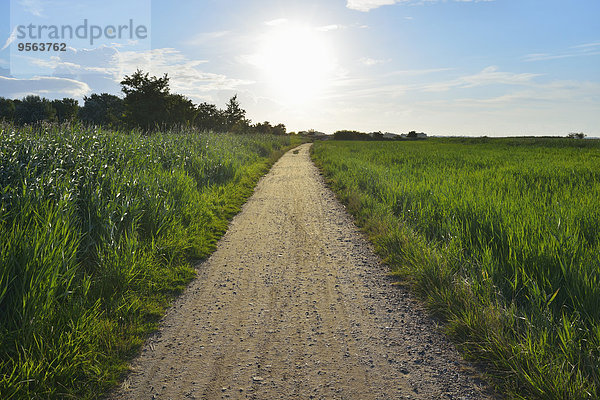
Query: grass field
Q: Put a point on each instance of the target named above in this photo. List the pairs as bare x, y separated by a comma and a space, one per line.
500, 237
97, 231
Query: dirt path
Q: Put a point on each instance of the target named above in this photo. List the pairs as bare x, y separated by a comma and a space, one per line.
295, 305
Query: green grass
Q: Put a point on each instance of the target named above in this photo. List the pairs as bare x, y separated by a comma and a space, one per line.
500, 237
97, 233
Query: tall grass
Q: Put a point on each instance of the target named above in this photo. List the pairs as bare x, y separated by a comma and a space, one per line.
97, 229
501, 238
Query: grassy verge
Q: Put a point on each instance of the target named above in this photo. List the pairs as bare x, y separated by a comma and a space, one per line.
97, 231
500, 237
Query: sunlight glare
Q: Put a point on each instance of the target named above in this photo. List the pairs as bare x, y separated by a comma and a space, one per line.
297, 63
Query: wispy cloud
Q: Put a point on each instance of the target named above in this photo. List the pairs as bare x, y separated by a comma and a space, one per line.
206, 37
11, 38
34, 7
43, 86
369, 62
385, 85
587, 45
109, 64
581, 50
326, 28
276, 22
367, 5
186, 76
488, 76
417, 72
542, 94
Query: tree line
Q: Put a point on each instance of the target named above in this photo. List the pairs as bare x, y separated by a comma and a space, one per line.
148, 104
356, 135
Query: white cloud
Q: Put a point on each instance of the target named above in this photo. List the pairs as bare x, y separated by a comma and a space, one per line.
542, 95
185, 75
34, 7
582, 50
417, 72
367, 5
103, 68
77, 64
276, 22
386, 86
205, 37
11, 38
369, 62
327, 28
587, 45
488, 76
45, 86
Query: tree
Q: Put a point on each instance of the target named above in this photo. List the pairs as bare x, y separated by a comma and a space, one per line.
279, 129
7, 109
412, 135
66, 109
34, 109
350, 135
240, 127
263, 128
574, 135
209, 118
180, 110
377, 135
234, 113
266, 128
102, 109
146, 99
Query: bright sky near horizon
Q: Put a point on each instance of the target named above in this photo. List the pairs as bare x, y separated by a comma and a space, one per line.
444, 67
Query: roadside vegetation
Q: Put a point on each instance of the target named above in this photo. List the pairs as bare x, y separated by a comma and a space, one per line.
98, 230
501, 239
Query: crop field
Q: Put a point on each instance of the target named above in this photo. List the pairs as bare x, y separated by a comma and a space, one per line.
501, 238
97, 231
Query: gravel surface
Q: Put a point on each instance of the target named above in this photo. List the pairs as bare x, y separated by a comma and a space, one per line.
294, 304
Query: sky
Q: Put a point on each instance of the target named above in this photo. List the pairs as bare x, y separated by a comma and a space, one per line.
443, 67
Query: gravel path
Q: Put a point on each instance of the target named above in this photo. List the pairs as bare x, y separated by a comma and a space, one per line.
295, 305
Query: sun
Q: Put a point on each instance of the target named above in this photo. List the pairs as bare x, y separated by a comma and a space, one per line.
296, 62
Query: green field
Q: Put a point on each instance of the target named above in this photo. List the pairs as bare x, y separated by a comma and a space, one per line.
97, 231
500, 237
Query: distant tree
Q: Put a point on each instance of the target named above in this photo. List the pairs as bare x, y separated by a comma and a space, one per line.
180, 110
146, 99
210, 118
7, 109
234, 113
412, 135
241, 127
263, 128
266, 128
34, 109
66, 109
350, 135
575, 135
377, 135
279, 129
102, 109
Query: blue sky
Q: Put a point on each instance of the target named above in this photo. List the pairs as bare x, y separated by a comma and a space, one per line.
497, 67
